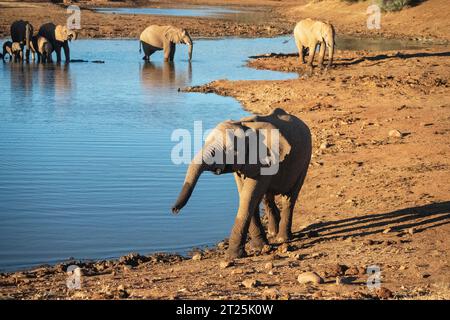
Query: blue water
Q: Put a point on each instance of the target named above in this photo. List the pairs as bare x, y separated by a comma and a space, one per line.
202, 11
85, 167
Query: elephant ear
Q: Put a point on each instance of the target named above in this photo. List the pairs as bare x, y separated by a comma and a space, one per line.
174, 34
267, 133
61, 33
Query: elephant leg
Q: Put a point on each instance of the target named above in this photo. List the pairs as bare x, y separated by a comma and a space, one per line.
301, 57
272, 213
148, 51
66, 51
322, 54
250, 196
257, 234
312, 51
285, 233
172, 51
58, 53
258, 237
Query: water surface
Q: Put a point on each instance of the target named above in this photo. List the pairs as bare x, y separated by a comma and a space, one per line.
85, 168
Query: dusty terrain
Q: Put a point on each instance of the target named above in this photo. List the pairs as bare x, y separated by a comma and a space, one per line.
377, 192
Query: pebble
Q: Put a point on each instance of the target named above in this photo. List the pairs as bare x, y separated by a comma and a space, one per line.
251, 283
225, 264
387, 230
268, 266
309, 277
411, 231
395, 133
384, 293
324, 145
271, 294
197, 257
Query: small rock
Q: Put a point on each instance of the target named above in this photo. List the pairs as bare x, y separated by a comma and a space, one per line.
225, 264
411, 231
197, 257
271, 294
384, 293
251, 283
324, 145
395, 134
401, 268
268, 266
387, 230
122, 292
309, 277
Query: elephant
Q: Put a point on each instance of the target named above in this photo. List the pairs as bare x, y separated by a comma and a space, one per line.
21, 32
14, 50
308, 33
58, 36
155, 38
45, 49
253, 183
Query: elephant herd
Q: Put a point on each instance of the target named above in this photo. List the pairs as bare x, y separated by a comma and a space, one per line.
278, 191
49, 38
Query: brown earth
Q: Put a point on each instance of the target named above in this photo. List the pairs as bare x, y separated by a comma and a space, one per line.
377, 193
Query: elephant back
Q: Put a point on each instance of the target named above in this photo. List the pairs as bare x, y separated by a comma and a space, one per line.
19, 30
47, 31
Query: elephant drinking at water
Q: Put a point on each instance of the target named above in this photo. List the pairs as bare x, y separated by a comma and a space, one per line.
58, 37
21, 32
155, 38
255, 178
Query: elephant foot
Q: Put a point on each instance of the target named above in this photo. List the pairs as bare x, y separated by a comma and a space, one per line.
235, 253
258, 244
282, 238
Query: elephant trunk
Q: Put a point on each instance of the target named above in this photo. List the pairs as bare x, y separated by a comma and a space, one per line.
193, 173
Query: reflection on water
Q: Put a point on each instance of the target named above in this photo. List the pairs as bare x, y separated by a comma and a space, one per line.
165, 75
85, 168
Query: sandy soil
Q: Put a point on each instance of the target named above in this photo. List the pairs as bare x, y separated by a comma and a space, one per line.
369, 198
377, 192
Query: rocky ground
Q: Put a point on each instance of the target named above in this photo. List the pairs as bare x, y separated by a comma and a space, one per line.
377, 193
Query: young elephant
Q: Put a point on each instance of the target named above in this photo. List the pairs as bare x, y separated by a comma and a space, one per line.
45, 49
14, 50
309, 33
283, 144
155, 38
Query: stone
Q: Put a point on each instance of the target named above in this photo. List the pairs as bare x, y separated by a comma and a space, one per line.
271, 294
251, 283
384, 293
226, 264
387, 230
197, 257
268, 266
395, 133
411, 231
309, 277
324, 145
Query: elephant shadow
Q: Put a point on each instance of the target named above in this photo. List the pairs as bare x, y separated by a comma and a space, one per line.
381, 57
161, 75
420, 218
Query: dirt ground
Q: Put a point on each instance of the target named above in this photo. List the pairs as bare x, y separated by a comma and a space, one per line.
377, 193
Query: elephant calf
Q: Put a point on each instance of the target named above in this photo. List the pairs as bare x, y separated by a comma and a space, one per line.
282, 142
14, 50
309, 33
155, 38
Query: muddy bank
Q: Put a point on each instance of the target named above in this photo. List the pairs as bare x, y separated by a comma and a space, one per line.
376, 194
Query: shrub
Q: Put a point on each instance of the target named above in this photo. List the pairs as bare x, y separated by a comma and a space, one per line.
394, 5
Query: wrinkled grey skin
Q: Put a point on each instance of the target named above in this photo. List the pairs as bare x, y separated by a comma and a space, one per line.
294, 158
155, 38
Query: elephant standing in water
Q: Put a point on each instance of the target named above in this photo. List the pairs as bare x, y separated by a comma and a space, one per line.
155, 38
309, 33
42, 49
14, 50
21, 32
58, 36
291, 157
